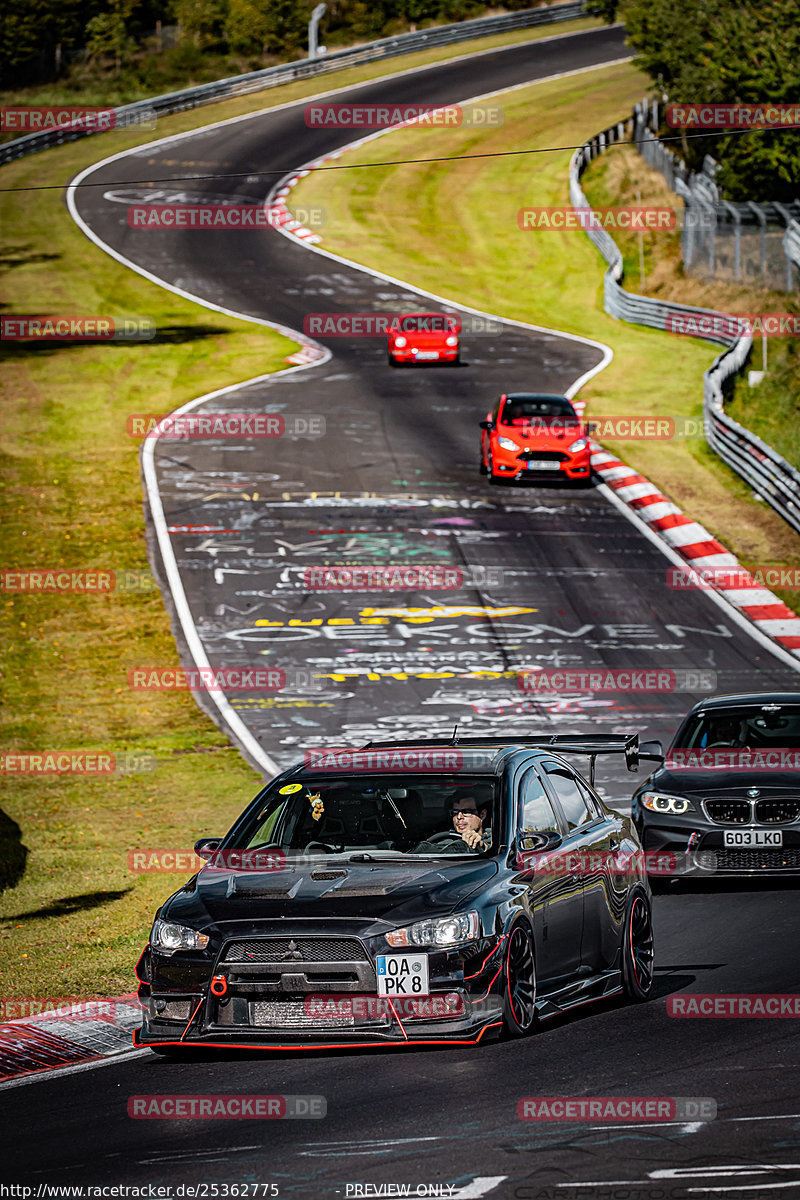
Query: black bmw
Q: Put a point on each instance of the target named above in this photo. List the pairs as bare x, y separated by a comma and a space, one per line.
414, 891
727, 795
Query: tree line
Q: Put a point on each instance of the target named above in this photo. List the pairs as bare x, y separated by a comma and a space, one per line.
39, 37
743, 52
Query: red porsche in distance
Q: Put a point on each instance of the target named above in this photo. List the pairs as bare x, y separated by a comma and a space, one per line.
535, 435
423, 337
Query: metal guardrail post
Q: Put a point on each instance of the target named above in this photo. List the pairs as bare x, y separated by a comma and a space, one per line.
762, 236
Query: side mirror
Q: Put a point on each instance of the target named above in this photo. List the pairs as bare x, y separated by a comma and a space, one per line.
206, 847
487, 424
530, 843
654, 751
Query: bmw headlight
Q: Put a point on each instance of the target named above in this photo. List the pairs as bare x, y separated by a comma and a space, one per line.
400, 341
507, 443
441, 931
661, 803
166, 937
581, 444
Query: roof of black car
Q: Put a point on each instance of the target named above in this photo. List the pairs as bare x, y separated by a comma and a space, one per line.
736, 699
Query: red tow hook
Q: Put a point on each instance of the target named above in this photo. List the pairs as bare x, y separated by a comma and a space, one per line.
219, 985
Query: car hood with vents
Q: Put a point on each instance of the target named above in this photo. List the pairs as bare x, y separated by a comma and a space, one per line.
394, 892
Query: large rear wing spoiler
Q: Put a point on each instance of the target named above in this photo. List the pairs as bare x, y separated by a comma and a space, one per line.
591, 745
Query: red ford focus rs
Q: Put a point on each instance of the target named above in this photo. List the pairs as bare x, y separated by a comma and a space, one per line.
534, 435
423, 337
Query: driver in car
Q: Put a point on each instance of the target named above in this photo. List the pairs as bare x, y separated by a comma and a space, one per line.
726, 731
467, 833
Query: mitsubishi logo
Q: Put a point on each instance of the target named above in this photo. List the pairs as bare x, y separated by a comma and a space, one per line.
293, 952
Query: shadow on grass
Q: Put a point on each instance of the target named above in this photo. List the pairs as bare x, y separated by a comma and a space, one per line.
167, 335
19, 255
69, 904
13, 855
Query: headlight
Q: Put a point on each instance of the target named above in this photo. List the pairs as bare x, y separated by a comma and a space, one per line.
658, 802
167, 937
400, 341
581, 444
452, 341
443, 931
507, 443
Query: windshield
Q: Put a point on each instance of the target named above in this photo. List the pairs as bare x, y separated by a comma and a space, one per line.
538, 410
426, 323
408, 815
769, 725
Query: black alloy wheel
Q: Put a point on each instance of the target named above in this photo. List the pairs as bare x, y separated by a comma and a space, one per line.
637, 950
519, 995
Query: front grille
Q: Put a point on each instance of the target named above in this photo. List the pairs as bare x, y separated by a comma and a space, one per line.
774, 812
728, 812
758, 860
279, 950
543, 456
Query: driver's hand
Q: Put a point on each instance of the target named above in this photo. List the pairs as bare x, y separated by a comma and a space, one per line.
473, 839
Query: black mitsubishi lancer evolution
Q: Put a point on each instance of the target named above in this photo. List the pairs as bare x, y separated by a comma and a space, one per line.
420, 892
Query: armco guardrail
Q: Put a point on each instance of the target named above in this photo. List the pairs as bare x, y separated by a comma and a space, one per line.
769, 475
255, 81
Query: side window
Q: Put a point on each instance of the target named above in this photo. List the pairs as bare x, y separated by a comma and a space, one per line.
535, 811
570, 795
592, 801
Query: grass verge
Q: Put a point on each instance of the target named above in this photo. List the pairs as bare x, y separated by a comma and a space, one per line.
451, 228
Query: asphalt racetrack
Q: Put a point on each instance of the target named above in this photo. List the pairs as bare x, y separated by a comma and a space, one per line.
557, 578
